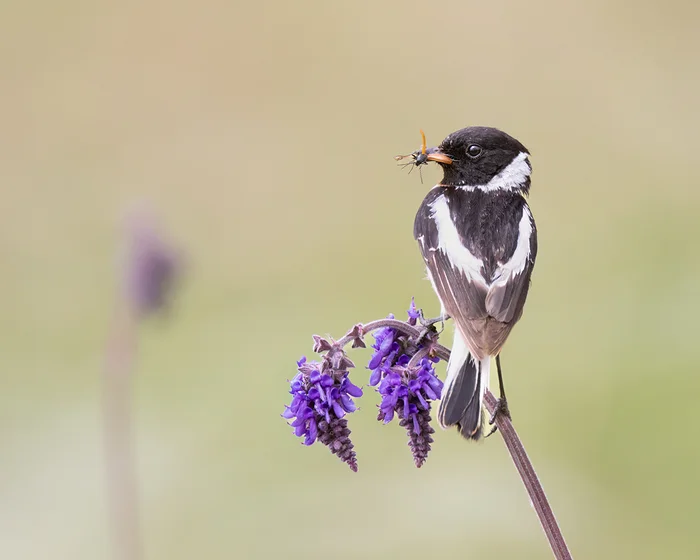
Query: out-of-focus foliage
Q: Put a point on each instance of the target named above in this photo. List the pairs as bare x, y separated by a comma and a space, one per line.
263, 132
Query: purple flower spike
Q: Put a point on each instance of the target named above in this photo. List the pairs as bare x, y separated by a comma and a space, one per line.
420, 435
407, 390
409, 395
321, 398
335, 435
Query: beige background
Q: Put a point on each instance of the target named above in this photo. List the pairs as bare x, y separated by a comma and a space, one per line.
263, 134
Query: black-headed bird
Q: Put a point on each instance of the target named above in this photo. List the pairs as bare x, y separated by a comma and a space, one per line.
479, 242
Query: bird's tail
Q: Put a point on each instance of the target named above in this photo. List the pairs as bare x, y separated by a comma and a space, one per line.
463, 391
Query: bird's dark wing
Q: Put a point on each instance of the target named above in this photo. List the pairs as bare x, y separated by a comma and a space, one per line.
462, 297
461, 288
508, 291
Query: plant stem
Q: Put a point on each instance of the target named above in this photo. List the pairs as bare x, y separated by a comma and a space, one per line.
510, 437
529, 477
118, 439
417, 357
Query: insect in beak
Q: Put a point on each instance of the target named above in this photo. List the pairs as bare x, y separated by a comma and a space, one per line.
423, 155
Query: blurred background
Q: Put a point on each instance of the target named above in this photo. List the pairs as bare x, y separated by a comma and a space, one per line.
262, 133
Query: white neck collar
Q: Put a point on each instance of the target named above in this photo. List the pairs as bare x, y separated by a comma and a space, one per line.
511, 178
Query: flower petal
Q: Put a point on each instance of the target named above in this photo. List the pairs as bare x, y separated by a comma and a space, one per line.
375, 360
389, 416
350, 388
406, 407
387, 343
347, 404
430, 393
288, 413
416, 424
312, 433
338, 409
413, 313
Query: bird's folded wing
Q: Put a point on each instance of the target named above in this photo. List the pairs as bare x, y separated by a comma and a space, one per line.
508, 291
463, 297
506, 298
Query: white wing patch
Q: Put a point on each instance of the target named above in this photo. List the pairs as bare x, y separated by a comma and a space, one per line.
518, 260
450, 243
437, 293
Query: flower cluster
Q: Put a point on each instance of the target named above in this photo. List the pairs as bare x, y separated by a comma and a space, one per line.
322, 394
403, 370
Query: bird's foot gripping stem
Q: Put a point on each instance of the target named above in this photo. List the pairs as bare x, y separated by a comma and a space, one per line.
501, 408
427, 323
428, 326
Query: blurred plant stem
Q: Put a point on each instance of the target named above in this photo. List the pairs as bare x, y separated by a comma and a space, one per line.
122, 484
505, 427
149, 269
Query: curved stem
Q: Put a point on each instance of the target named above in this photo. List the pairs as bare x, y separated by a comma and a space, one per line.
440, 351
515, 447
380, 323
529, 477
417, 357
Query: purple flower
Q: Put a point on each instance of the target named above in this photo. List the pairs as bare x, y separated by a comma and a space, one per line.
407, 392
151, 266
413, 313
321, 397
402, 370
407, 388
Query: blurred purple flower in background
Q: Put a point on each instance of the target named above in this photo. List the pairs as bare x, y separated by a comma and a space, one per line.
147, 272
151, 266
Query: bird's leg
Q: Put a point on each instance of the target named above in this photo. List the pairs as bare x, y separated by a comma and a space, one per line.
429, 326
427, 323
501, 403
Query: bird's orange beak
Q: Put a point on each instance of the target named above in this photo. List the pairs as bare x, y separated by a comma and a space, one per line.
434, 154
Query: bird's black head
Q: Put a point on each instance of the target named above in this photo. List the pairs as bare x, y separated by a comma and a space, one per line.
484, 158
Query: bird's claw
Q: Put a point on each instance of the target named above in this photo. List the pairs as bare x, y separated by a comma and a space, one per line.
500, 408
428, 327
427, 323
424, 333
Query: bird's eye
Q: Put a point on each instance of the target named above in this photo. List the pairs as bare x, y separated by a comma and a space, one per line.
474, 151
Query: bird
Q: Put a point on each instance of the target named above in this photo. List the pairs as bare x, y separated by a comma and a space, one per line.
478, 239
